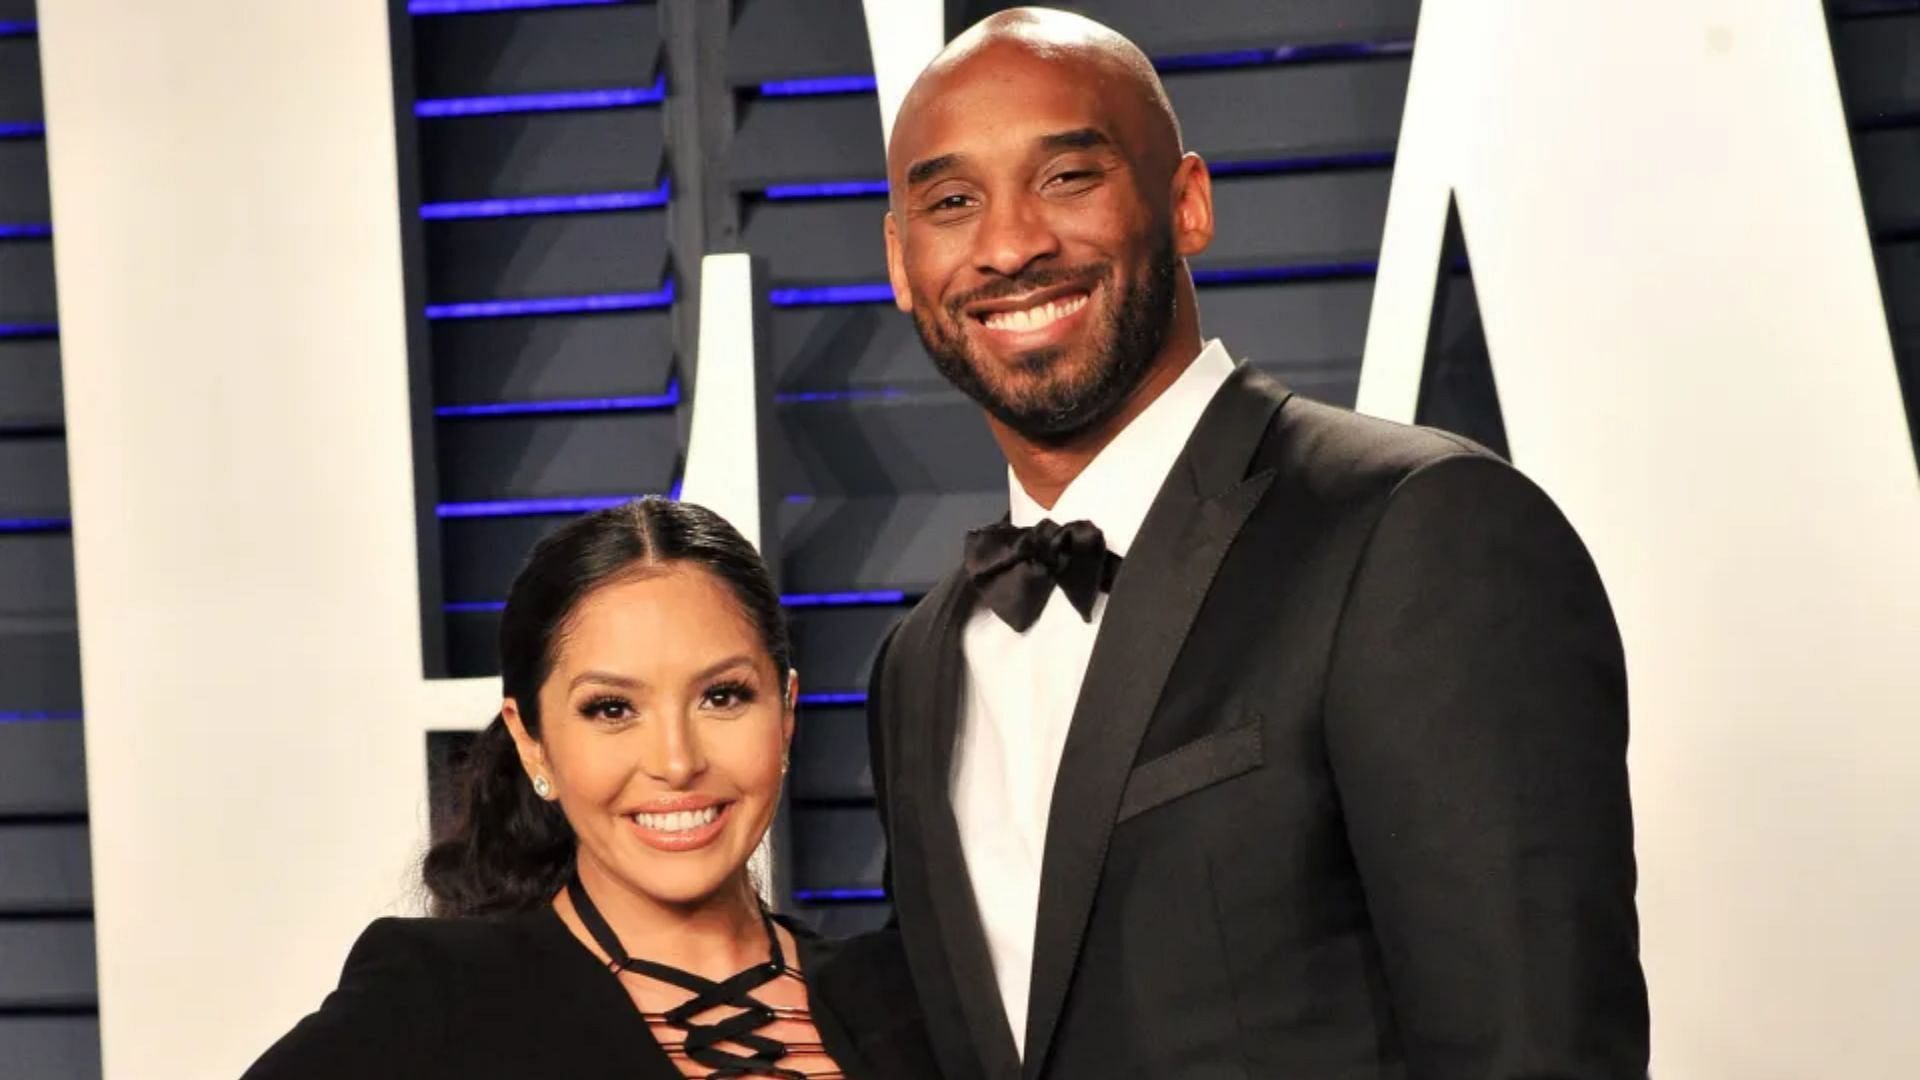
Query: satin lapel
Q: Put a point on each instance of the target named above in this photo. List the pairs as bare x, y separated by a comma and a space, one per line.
1163, 581
934, 685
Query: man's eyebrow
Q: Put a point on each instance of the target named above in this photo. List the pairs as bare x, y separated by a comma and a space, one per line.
922, 171
1085, 138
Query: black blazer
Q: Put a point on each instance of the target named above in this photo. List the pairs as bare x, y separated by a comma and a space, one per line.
1345, 792
518, 996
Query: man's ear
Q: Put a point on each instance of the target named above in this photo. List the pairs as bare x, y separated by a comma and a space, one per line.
1192, 207
896, 266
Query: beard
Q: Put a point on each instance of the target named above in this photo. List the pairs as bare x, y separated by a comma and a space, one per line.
1057, 402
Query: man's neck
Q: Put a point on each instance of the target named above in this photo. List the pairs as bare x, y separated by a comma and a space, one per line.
1044, 470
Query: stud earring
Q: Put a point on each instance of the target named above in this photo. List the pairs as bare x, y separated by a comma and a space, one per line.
786, 762
542, 787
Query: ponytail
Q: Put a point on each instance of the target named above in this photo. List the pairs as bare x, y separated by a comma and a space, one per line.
509, 850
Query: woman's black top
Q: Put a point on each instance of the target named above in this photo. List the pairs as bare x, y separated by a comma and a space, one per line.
519, 996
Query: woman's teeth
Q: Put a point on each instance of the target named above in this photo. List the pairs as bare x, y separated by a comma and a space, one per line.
678, 821
1037, 317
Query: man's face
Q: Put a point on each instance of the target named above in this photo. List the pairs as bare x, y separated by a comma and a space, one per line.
1036, 258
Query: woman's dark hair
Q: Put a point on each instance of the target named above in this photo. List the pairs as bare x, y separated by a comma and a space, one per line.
509, 849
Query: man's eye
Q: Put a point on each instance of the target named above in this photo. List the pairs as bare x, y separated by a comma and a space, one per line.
951, 202
1074, 176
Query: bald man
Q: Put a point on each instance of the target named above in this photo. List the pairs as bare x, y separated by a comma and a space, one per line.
1262, 740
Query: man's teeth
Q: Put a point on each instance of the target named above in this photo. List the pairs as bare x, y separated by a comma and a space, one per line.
678, 821
1034, 318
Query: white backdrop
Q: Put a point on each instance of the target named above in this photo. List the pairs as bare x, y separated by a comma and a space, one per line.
1679, 296
236, 388
1677, 289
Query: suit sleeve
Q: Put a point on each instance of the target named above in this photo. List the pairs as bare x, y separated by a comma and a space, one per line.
877, 758
1477, 730
381, 1022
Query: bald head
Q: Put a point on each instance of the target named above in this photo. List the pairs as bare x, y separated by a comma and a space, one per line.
1048, 46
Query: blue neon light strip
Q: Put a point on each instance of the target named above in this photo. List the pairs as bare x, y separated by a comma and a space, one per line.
593, 203
35, 525
25, 232
638, 403
1286, 54
1360, 160
468, 7
30, 130
843, 189
553, 305
834, 699
531, 507
823, 295
29, 716
29, 330
1289, 54
1255, 274
838, 896
830, 84
837, 189
831, 294
18, 29
874, 598
475, 607
563, 101
810, 397
801, 600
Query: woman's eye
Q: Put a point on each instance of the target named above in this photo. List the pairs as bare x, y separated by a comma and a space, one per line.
728, 696
614, 709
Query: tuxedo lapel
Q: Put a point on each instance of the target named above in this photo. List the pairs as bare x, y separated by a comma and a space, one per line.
933, 687
1163, 580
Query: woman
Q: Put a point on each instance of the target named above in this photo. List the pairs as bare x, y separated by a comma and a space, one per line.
595, 917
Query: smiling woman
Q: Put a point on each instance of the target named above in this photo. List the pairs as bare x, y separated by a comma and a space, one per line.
594, 913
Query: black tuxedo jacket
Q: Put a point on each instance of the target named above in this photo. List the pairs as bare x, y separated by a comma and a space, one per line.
1344, 795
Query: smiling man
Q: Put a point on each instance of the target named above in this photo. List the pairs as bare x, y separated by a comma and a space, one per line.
1263, 739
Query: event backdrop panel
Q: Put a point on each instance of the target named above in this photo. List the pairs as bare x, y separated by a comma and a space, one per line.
1876, 46
547, 264
47, 998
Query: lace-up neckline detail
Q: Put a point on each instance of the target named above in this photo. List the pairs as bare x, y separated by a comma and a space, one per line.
735, 1046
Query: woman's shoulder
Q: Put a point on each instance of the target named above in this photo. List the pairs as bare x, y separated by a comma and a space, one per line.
417, 997
467, 945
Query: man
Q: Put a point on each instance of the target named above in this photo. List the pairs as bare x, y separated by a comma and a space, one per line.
1265, 740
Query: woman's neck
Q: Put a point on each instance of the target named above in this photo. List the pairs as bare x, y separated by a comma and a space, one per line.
714, 937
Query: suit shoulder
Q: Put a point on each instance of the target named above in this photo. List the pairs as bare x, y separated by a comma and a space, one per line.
1341, 455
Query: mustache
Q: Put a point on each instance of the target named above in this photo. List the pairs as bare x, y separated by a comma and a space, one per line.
1030, 280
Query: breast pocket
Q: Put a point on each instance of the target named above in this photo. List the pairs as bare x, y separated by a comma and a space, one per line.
1200, 764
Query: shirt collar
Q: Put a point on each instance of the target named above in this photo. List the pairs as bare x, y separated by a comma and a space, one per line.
1118, 486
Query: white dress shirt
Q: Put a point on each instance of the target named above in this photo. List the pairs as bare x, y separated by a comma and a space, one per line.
1020, 689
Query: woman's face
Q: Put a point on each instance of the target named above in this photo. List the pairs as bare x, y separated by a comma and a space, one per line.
664, 729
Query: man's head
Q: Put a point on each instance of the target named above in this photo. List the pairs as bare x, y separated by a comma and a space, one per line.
1041, 210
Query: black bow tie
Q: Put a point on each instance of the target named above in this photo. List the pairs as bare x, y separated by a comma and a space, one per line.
1015, 569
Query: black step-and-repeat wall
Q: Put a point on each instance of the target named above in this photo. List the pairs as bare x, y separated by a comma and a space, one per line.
48, 1019
1876, 47
553, 151
565, 166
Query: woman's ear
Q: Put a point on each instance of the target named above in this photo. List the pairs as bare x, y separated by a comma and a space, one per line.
793, 706
533, 756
